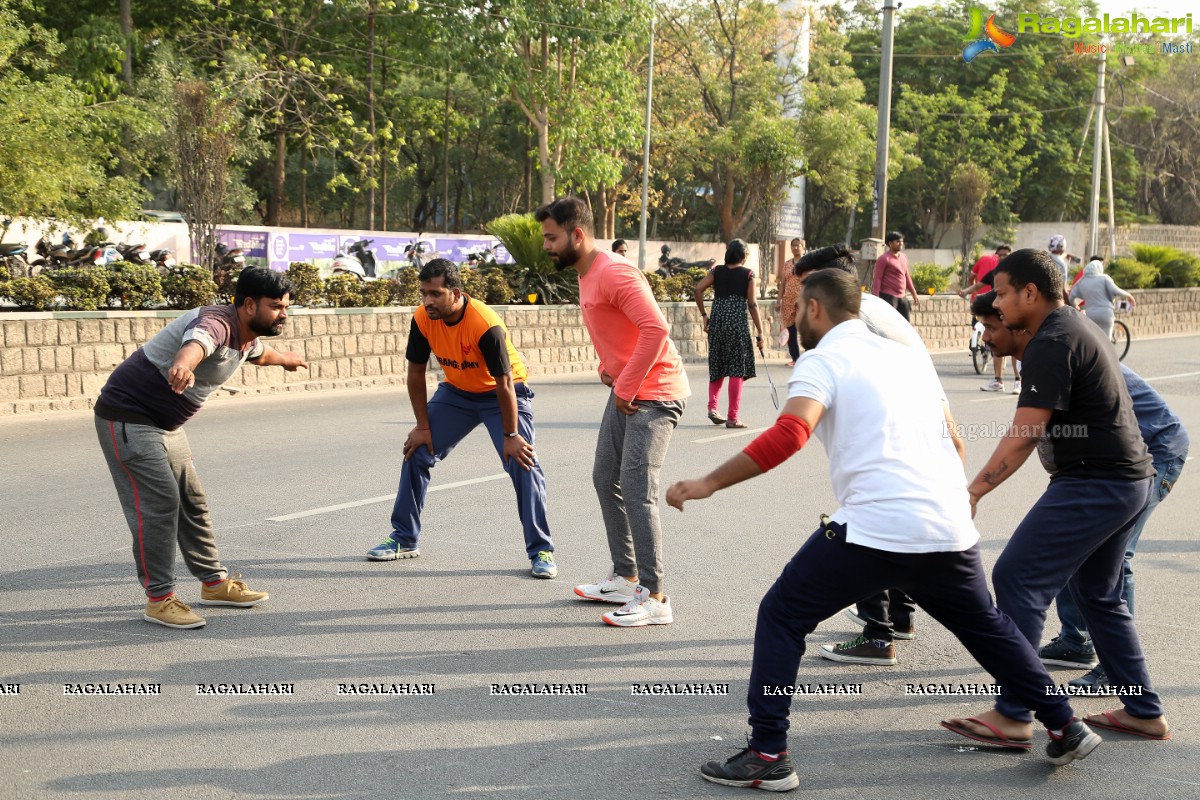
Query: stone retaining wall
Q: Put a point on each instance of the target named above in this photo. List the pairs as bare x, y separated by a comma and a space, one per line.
59, 360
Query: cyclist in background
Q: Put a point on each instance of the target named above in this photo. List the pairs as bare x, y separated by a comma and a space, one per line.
982, 274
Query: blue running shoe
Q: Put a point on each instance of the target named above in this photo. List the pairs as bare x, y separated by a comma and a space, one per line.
543, 565
390, 550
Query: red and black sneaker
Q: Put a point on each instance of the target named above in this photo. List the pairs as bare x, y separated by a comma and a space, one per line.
751, 770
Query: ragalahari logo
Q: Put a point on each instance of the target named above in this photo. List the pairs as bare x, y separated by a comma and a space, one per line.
985, 36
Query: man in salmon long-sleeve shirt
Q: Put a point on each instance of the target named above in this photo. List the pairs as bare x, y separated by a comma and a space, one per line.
892, 278
649, 391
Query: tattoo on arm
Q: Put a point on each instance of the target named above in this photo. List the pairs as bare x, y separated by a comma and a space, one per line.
994, 477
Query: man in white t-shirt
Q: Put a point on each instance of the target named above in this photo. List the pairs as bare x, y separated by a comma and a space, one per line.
896, 465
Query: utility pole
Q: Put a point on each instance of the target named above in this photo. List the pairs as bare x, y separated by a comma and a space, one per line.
1112, 214
1097, 158
646, 156
883, 133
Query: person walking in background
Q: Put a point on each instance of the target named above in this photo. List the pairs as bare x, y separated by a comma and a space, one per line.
982, 274
139, 421
1057, 247
620, 247
787, 286
485, 383
892, 278
649, 392
1094, 294
730, 354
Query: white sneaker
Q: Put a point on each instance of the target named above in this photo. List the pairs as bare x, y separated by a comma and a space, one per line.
1016, 387
613, 589
994, 386
641, 610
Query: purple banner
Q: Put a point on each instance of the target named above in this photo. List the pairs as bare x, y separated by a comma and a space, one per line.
253, 242
311, 247
286, 247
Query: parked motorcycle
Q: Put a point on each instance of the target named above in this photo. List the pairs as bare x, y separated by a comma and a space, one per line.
481, 258
137, 253
227, 260
164, 259
13, 256
358, 260
420, 252
669, 265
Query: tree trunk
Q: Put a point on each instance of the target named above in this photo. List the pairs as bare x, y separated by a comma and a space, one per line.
371, 160
546, 168
383, 167
127, 37
446, 157
279, 173
304, 182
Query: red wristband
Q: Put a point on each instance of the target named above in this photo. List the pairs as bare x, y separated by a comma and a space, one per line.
778, 443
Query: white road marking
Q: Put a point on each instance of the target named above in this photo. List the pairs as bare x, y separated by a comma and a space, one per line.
1169, 377
382, 498
733, 435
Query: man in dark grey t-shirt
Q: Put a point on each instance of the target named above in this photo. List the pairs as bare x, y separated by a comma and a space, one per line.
139, 419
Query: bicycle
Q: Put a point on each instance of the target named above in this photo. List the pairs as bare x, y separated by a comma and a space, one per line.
980, 352
1120, 332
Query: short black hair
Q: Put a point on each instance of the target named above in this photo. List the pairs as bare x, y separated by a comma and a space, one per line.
893, 236
260, 282
1095, 258
835, 256
985, 305
617, 243
442, 268
1000, 247
836, 290
735, 251
1028, 266
569, 212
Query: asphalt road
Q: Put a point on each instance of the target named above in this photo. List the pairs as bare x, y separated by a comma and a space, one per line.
301, 486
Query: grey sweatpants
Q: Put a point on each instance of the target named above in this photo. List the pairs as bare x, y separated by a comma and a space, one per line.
630, 451
163, 502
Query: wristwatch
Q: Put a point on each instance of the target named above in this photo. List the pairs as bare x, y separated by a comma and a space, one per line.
512, 435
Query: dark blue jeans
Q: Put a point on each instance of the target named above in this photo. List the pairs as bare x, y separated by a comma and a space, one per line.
1074, 629
827, 574
1076, 535
453, 414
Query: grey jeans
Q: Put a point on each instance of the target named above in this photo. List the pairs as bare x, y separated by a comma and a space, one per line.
630, 451
163, 502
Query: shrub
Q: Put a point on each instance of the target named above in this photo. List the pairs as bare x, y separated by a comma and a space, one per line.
307, 280
134, 285
30, 294
534, 271
498, 291
226, 281
343, 291
1156, 255
375, 294
406, 287
926, 276
474, 282
658, 286
189, 286
1180, 273
83, 289
682, 285
1129, 273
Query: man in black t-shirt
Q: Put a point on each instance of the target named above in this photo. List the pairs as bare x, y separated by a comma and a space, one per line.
1075, 410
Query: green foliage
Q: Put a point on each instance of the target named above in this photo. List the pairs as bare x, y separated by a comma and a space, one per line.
189, 286
926, 275
83, 289
1129, 273
134, 286
1155, 254
343, 291
376, 294
681, 287
534, 272
406, 287
488, 285
658, 286
30, 294
1180, 273
307, 280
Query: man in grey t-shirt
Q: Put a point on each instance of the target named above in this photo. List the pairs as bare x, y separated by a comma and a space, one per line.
139, 418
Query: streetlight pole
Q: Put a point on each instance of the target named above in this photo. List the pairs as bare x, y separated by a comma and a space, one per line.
646, 156
1097, 161
879, 215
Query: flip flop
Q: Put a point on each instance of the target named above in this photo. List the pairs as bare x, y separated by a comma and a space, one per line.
1117, 726
999, 740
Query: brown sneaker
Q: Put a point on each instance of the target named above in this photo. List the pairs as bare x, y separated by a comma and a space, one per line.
861, 651
173, 613
231, 592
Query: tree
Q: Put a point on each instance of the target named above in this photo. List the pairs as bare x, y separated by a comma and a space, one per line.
970, 186
720, 106
205, 138
53, 147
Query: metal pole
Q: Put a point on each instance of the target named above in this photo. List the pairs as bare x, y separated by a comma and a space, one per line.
1112, 213
646, 156
879, 216
1097, 154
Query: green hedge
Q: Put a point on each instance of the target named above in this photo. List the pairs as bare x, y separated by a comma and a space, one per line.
926, 276
189, 286
83, 289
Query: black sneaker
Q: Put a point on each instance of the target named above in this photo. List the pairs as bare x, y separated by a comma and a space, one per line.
1076, 742
750, 770
1094, 681
861, 651
906, 631
1061, 653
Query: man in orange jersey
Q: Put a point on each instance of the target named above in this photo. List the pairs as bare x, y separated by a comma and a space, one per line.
485, 383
